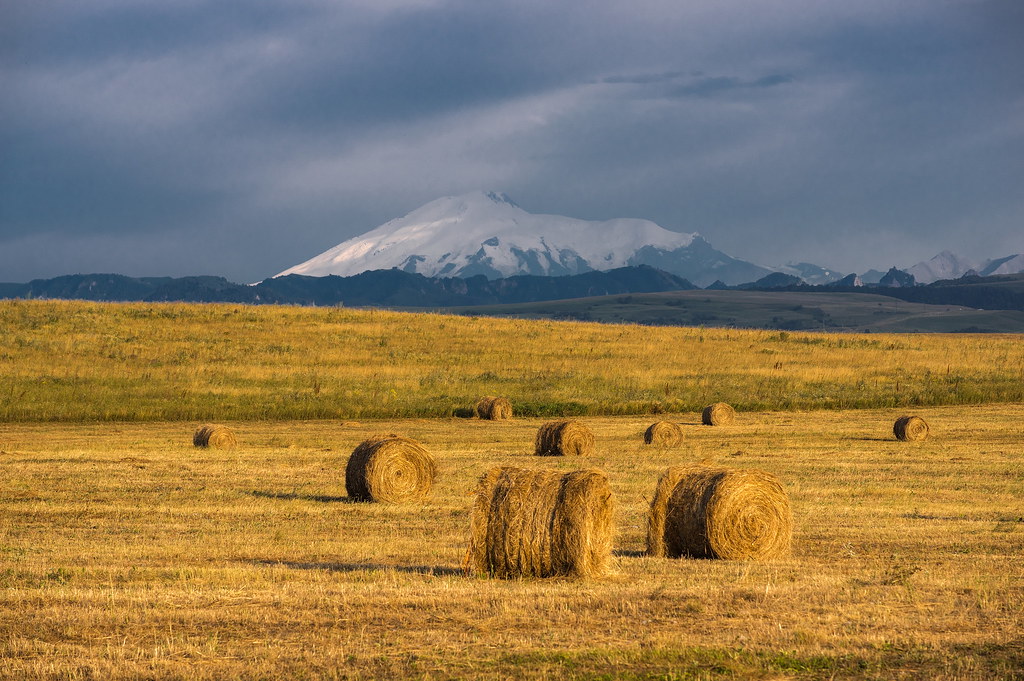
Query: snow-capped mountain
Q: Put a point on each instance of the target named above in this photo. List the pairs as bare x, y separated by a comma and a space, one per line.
1011, 264
487, 233
945, 265
948, 265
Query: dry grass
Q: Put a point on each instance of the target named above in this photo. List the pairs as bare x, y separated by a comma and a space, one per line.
128, 554
73, 361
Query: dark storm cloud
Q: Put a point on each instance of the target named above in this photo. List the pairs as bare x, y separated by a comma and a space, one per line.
272, 130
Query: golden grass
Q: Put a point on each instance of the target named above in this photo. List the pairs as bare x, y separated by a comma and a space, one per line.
74, 361
128, 554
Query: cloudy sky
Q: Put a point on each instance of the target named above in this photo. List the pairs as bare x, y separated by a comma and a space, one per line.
240, 138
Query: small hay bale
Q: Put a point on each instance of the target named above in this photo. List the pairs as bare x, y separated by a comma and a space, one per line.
718, 414
564, 438
494, 409
391, 469
214, 436
910, 429
712, 512
541, 523
664, 433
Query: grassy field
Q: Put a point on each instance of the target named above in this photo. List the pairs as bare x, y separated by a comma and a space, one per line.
125, 553
788, 310
75, 361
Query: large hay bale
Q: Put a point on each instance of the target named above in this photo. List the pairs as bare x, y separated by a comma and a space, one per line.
214, 436
541, 523
664, 433
910, 428
391, 469
564, 438
718, 414
711, 512
494, 409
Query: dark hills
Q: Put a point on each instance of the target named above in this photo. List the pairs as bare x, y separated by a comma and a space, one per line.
395, 288
388, 288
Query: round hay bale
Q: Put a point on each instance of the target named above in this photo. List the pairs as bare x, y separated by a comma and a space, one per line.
910, 429
718, 414
541, 523
711, 512
214, 436
494, 409
664, 433
564, 438
391, 469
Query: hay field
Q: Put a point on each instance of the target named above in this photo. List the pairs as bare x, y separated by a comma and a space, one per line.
127, 553
77, 361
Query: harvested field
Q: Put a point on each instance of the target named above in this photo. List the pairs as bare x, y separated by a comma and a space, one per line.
128, 553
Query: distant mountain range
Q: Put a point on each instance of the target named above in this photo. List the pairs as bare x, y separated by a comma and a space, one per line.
948, 265
488, 234
390, 288
483, 249
395, 288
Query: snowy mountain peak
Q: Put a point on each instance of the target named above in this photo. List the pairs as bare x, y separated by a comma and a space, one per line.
945, 265
487, 233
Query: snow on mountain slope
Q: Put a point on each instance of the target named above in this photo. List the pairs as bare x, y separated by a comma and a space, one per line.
945, 265
948, 265
486, 233
1011, 264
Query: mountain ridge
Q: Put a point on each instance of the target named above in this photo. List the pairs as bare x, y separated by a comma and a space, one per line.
488, 233
395, 288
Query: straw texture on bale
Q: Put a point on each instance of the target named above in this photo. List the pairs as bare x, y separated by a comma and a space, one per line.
541, 523
664, 433
718, 414
564, 438
214, 436
391, 469
711, 512
910, 428
494, 409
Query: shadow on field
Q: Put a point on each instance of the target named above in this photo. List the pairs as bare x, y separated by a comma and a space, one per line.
264, 494
432, 570
628, 553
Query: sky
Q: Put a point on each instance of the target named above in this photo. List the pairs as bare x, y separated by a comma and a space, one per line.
240, 138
